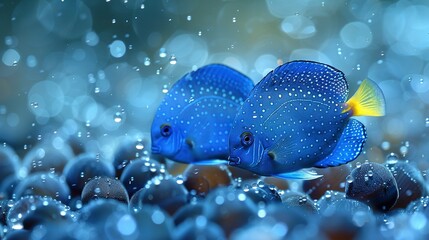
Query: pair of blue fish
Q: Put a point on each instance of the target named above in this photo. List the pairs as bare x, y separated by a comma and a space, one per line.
295, 118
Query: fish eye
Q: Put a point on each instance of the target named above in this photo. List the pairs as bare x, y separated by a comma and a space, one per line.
166, 130
246, 139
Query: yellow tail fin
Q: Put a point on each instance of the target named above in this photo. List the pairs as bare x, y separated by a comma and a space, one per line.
367, 101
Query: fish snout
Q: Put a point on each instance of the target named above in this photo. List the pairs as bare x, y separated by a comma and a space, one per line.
234, 161
156, 150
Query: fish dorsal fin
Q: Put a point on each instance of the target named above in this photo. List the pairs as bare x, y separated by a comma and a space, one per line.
306, 79
367, 101
216, 80
348, 147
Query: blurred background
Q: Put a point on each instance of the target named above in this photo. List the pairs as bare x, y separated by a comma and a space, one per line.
96, 70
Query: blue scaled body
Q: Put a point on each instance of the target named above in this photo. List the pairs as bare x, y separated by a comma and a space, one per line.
298, 117
193, 122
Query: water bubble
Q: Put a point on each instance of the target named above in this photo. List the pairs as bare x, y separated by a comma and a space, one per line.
96, 90
427, 122
189, 18
142, 6
139, 146
11, 57
117, 48
92, 39
356, 35
392, 158
113, 21
358, 164
385, 145
234, 19
34, 104
31, 61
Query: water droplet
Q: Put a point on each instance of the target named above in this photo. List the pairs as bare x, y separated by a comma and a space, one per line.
147, 61
234, 19
139, 146
427, 122
370, 173
162, 53
189, 18
142, 6
385, 145
173, 60
392, 158
34, 104
349, 179
117, 117
199, 33
96, 90
358, 67
113, 21
358, 164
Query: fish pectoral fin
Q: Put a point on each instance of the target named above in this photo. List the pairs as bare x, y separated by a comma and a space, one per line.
303, 174
212, 162
367, 101
349, 146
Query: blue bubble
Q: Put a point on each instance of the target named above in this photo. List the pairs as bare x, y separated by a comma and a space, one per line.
11, 57
117, 48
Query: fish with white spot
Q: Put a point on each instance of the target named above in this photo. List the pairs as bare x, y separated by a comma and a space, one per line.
193, 121
297, 117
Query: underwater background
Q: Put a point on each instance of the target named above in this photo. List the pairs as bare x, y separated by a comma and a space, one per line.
86, 77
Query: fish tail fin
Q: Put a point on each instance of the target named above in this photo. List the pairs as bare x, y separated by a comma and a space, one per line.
367, 101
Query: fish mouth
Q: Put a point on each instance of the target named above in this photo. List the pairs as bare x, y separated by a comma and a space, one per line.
156, 150
234, 161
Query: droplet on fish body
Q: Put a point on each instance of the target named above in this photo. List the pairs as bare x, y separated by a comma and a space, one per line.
349, 179
391, 158
173, 60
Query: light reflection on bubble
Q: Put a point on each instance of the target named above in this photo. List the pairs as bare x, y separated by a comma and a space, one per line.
11, 57
356, 35
298, 27
190, 49
49, 96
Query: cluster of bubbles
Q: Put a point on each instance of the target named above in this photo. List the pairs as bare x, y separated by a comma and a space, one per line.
87, 76
60, 190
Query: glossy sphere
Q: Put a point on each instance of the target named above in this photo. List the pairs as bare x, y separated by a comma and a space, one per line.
153, 223
8, 163
82, 169
189, 211
46, 158
43, 184
128, 151
163, 191
373, 184
199, 228
345, 218
300, 201
104, 187
137, 173
200, 180
110, 219
333, 179
229, 208
26, 205
411, 184
261, 192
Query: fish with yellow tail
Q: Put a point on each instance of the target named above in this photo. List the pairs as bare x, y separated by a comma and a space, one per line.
298, 117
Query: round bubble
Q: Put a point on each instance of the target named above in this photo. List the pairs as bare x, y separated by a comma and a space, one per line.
92, 39
117, 48
85, 108
188, 49
356, 35
31, 61
68, 19
309, 54
11, 57
265, 63
298, 27
46, 99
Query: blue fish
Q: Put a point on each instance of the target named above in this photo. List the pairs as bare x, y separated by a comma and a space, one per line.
297, 117
193, 121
